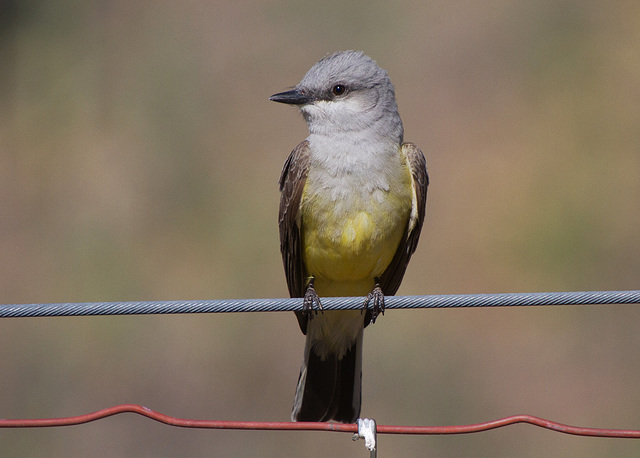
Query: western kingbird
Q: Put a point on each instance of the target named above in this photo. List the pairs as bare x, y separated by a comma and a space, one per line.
351, 209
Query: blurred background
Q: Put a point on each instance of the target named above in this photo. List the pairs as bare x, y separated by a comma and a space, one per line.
139, 159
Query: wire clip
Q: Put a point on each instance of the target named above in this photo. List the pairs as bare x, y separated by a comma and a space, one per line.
367, 431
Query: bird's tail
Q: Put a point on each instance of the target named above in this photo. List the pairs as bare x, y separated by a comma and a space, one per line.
329, 388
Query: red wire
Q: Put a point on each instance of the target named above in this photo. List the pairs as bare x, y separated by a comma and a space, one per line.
313, 426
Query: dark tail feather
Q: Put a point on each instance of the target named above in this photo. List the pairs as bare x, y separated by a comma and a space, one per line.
329, 389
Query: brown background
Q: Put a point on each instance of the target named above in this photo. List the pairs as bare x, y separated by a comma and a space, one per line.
139, 159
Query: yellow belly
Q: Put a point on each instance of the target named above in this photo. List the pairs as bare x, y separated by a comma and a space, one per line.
348, 242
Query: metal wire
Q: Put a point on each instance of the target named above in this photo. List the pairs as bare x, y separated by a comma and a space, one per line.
264, 305
328, 303
313, 426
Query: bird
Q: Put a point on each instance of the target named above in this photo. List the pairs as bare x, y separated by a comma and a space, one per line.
352, 205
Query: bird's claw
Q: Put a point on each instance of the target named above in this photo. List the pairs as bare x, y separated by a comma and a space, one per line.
376, 299
311, 302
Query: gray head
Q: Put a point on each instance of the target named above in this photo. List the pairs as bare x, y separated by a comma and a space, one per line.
346, 92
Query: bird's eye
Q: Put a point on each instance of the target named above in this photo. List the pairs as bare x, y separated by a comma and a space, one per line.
339, 89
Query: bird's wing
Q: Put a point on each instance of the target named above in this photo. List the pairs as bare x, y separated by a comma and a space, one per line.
292, 181
392, 276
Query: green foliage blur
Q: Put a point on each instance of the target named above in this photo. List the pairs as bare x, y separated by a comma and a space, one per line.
139, 158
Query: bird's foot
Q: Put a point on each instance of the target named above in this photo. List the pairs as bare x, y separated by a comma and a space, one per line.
376, 299
311, 303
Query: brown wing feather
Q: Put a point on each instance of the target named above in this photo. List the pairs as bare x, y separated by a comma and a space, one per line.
392, 276
292, 181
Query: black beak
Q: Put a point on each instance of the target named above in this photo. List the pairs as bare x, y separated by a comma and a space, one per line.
293, 97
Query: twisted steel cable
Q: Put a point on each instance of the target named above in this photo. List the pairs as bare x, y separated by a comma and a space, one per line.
328, 303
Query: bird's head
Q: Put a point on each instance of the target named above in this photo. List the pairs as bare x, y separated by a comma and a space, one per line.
346, 92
